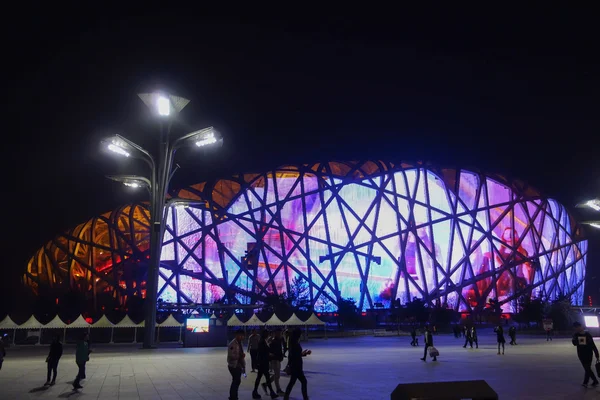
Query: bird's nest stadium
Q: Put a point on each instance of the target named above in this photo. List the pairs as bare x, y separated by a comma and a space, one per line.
373, 231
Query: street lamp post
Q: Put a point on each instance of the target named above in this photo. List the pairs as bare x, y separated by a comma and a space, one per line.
161, 173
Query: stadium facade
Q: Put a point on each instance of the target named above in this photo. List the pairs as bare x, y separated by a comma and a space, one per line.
373, 231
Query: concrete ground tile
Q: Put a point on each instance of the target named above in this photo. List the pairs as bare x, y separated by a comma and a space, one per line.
355, 368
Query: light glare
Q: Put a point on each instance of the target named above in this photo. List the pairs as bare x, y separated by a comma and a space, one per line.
163, 105
591, 321
118, 149
132, 184
594, 204
595, 225
207, 139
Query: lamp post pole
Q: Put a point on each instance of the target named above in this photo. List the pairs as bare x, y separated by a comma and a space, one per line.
158, 194
158, 186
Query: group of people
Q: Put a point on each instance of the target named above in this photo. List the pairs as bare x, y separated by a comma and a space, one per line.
82, 354
267, 351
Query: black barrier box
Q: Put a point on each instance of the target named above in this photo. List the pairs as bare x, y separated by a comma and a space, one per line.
459, 390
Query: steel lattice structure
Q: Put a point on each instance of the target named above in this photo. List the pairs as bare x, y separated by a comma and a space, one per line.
373, 231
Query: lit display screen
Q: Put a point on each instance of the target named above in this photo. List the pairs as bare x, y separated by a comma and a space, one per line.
197, 325
591, 321
395, 236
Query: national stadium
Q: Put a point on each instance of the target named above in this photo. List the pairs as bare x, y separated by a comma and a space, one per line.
377, 232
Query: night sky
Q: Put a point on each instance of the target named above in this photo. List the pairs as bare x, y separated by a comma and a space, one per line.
516, 94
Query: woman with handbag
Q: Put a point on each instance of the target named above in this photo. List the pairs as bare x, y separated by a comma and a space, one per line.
429, 344
56, 350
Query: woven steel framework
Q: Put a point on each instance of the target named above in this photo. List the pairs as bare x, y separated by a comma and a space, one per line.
372, 231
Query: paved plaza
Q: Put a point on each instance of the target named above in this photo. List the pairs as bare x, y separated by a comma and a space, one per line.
350, 368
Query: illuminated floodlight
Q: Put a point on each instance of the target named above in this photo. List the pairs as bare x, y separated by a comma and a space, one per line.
163, 106
117, 147
132, 181
595, 225
591, 321
207, 137
593, 204
206, 141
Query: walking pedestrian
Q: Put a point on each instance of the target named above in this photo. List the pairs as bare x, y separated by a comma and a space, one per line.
56, 350
82, 356
468, 338
296, 365
276, 349
263, 357
286, 339
548, 334
512, 332
428, 343
474, 337
413, 335
253, 341
236, 363
586, 349
500, 338
2, 351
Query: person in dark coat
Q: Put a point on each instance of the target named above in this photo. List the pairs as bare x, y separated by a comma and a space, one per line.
276, 349
2, 351
548, 335
296, 365
82, 356
468, 338
56, 350
253, 341
413, 335
586, 349
474, 337
264, 357
512, 332
500, 338
428, 344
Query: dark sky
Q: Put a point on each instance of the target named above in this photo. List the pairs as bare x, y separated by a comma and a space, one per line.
515, 93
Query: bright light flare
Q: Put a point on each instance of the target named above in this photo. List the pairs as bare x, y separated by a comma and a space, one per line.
593, 204
115, 148
163, 106
206, 139
132, 184
595, 225
591, 321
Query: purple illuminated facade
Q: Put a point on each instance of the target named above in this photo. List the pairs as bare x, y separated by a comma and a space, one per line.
371, 231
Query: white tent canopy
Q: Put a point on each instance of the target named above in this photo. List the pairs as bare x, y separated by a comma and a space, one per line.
293, 321
103, 322
55, 323
8, 323
31, 323
313, 320
80, 322
254, 321
234, 321
126, 322
274, 321
170, 322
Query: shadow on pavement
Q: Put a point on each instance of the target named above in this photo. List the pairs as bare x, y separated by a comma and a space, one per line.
66, 395
39, 389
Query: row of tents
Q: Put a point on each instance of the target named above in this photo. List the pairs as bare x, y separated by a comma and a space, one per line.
33, 324
275, 321
170, 322
80, 322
